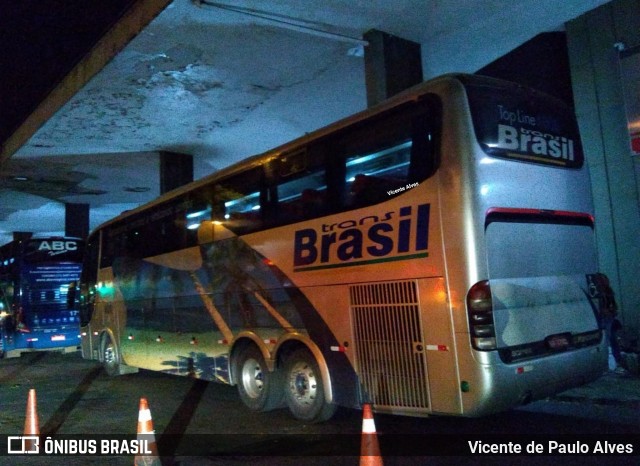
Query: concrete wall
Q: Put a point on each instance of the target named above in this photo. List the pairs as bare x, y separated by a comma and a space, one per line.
598, 95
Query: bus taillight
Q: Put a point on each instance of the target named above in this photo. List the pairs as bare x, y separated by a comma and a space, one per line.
480, 310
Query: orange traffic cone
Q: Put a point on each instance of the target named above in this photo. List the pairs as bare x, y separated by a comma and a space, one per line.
369, 448
146, 432
31, 423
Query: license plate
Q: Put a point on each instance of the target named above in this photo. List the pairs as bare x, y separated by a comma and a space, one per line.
557, 342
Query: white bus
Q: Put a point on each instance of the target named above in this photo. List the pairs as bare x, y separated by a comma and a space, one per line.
432, 255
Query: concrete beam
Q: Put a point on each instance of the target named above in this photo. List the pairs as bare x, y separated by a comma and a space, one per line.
132, 22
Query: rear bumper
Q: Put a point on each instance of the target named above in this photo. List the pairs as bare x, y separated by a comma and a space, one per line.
498, 386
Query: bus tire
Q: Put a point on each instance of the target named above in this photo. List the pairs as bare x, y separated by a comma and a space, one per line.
304, 389
109, 356
259, 389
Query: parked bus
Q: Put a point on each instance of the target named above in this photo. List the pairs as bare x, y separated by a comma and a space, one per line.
35, 275
432, 255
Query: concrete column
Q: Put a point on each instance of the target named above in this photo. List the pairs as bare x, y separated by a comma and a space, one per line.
175, 170
76, 220
392, 64
534, 62
600, 108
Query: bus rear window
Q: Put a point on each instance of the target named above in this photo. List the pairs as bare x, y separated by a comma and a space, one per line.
521, 124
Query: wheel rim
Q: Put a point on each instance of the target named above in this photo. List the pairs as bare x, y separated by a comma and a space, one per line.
109, 354
252, 378
303, 383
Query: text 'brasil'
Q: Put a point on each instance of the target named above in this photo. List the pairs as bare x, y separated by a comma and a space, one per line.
371, 239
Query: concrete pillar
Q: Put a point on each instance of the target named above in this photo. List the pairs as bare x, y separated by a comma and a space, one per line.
392, 64
534, 62
600, 107
76, 220
175, 170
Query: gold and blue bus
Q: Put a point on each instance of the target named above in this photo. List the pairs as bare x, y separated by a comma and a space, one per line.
35, 276
434, 254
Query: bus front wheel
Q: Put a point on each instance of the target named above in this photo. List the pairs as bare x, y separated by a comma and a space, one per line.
304, 389
259, 389
109, 354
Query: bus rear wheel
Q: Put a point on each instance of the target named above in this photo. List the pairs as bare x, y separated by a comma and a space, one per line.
304, 389
109, 355
259, 389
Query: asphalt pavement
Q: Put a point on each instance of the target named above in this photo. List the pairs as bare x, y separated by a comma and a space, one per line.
614, 397
613, 388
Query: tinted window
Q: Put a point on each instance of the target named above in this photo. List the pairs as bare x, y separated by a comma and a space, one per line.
301, 189
392, 154
521, 124
238, 201
363, 164
160, 229
375, 177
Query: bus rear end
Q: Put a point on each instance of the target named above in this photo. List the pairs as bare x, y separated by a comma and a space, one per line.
535, 314
43, 318
532, 312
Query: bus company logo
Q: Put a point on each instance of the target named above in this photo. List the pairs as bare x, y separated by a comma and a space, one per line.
529, 141
372, 239
539, 144
23, 445
58, 247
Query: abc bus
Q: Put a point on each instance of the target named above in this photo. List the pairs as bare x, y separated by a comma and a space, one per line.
35, 276
432, 255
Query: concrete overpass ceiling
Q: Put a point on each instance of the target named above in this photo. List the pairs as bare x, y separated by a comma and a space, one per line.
223, 81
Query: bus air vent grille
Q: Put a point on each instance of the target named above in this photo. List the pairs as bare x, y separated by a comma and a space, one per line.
387, 331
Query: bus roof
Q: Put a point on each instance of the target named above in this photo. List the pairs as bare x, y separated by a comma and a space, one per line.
413, 93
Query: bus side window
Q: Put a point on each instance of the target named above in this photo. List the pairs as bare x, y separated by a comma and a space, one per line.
426, 131
242, 197
392, 156
6, 298
364, 190
4, 306
201, 208
301, 187
373, 177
